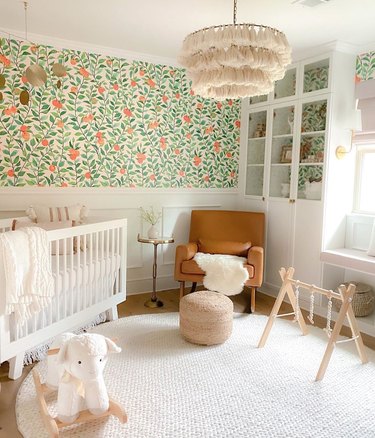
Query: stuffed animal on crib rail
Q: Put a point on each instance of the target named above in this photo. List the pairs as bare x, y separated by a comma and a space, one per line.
78, 369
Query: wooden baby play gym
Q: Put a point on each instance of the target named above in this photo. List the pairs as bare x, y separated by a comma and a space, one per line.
345, 295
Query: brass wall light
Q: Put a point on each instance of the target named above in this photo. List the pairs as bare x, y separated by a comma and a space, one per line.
341, 151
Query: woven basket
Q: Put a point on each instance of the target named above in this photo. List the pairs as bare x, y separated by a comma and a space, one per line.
363, 301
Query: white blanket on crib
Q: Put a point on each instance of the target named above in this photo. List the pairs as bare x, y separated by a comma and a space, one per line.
28, 275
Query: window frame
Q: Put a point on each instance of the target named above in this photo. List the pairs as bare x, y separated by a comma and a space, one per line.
362, 148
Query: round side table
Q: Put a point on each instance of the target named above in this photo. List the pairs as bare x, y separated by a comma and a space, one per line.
154, 301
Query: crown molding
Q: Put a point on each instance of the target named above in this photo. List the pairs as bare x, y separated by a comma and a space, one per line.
338, 46
60, 43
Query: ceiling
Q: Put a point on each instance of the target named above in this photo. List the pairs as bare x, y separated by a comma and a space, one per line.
158, 27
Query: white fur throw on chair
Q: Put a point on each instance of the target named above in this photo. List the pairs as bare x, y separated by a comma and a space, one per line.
224, 273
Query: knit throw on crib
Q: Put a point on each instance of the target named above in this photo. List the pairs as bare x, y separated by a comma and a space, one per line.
28, 276
224, 273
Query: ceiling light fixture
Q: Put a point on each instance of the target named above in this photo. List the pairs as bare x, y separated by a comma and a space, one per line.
235, 60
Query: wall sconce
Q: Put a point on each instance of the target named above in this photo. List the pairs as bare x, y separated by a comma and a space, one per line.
341, 151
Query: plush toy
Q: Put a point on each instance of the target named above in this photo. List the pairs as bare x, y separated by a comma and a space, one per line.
78, 370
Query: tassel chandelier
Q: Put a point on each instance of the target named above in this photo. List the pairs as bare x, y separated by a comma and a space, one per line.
235, 60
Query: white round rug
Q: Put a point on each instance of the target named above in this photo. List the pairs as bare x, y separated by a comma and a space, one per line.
170, 388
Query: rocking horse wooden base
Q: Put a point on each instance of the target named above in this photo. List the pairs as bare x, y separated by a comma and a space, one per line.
54, 425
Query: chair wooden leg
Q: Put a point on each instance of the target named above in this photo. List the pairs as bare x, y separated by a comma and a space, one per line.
182, 289
252, 299
193, 287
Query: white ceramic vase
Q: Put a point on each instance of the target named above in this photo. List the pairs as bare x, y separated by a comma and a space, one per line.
153, 232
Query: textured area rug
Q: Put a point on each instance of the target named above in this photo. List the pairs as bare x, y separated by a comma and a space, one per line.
173, 389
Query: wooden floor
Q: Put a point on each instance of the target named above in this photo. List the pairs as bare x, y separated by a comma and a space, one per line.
134, 305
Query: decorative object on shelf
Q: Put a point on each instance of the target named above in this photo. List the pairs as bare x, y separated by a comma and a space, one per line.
260, 130
286, 154
308, 173
313, 189
285, 190
363, 300
312, 147
235, 60
152, 218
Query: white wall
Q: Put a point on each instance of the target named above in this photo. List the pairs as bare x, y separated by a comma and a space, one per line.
175, 206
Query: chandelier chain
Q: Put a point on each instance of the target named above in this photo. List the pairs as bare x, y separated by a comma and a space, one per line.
234, 11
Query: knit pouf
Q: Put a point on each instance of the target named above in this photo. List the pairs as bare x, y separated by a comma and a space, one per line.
206, 317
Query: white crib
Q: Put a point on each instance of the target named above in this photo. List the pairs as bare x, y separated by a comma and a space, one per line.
89, 268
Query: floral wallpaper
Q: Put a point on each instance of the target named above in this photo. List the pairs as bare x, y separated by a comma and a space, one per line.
365, 67
110, 122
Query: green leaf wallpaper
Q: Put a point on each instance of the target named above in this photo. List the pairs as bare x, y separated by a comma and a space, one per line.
110, 122
365, 66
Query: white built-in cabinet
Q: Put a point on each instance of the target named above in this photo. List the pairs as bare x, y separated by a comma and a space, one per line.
288, 139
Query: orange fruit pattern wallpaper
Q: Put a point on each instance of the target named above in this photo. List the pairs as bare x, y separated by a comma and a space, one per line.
100, 121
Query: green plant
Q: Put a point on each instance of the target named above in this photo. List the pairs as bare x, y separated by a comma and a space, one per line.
150, 216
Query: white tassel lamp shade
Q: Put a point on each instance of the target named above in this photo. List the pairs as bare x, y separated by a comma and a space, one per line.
235, 60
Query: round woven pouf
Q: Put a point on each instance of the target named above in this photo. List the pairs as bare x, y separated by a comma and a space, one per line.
206, 317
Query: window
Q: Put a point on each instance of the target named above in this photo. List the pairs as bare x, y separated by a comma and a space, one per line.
364, 199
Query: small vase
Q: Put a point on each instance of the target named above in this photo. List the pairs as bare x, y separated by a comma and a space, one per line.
153, 232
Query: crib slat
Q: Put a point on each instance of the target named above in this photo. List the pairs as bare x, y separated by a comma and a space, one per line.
113, 264
107, 265
85, 278
78, 293
91, 279
57, 280
101, 264
71, 273
64, 285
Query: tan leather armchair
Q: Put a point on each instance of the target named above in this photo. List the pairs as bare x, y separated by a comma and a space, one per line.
221, 228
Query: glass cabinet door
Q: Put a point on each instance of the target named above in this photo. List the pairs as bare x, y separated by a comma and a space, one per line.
281, 151
256, 146
258, 99
315, 76
312, 149
286, 87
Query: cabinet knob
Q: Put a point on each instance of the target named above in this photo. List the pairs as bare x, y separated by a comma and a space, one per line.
263, 198
292, 201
